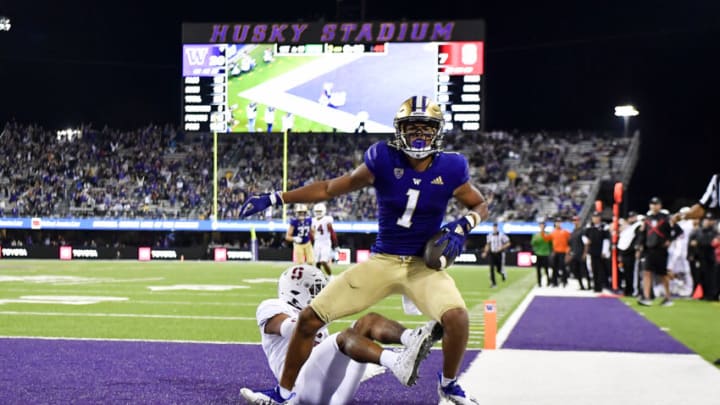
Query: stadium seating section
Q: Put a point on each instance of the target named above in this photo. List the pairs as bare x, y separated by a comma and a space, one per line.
158, 172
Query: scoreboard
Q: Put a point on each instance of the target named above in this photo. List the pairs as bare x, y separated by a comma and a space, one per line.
204, 88
330, 76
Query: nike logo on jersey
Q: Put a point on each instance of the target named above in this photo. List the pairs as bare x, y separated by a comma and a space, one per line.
416, 181
437, 180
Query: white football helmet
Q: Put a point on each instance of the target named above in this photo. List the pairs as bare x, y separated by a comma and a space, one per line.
299, 284
320, 210
301, 210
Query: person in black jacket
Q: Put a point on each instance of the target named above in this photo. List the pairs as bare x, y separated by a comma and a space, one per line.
656, 233
593, 237
704, 254
575, 257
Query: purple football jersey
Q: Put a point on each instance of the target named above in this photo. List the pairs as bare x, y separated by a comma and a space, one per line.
301, 228
411, 204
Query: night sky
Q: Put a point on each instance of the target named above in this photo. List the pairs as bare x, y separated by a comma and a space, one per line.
560, 68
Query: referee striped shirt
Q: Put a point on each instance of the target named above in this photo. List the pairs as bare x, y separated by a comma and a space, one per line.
496, 241
711, 198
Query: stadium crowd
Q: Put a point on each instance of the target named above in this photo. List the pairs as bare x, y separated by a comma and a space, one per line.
158, 172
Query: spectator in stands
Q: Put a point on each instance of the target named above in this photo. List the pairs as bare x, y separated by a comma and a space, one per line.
95, 174
541, 249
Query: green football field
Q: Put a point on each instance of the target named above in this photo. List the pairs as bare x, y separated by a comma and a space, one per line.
215, 302
196, 301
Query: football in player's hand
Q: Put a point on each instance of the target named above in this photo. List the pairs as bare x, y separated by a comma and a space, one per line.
433, 254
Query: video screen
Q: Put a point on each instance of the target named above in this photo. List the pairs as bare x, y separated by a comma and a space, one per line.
341, 91
327, 87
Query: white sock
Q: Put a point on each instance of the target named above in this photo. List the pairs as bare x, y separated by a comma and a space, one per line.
284, 393
388, 357
405, 337
446, 381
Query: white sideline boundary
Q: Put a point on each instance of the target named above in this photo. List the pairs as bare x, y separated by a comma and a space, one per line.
544, 377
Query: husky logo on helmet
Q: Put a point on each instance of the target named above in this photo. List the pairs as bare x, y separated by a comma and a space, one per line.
301, 210
416, 142
298, 285
319, 209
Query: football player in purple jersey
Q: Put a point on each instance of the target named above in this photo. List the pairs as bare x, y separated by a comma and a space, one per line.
414, 182
300, 233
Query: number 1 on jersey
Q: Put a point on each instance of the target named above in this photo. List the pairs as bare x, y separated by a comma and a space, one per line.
406, 219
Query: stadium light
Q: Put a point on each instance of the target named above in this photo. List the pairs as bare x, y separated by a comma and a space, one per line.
4, 23
626, 111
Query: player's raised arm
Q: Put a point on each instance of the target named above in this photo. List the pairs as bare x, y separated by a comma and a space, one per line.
359, 178
318, 191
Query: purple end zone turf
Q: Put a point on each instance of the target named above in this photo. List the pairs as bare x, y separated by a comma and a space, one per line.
588, 324
40, 371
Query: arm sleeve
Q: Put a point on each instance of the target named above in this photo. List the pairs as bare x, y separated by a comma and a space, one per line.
371, 157
333, 235
465, 173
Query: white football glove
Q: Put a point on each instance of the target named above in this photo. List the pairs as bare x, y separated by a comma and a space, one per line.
297, 239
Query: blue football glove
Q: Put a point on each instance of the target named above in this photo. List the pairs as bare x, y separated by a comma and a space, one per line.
455, 233
258, 203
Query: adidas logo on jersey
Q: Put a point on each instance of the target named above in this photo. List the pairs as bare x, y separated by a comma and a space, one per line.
437, 180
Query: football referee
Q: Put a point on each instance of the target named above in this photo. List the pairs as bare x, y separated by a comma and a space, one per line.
497, 243
708, 202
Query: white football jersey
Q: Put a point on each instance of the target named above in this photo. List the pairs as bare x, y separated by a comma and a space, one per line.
276, 346
679, 246
322, 229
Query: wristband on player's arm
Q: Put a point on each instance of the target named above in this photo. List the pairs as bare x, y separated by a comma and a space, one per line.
468, 222
473, 219
287, 327
276, 198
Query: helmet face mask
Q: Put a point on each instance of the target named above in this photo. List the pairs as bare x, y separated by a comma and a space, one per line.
319, 210
418, 127
298, 285
301, 210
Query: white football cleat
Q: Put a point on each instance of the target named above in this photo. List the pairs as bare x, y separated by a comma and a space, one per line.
407, 364
454, 393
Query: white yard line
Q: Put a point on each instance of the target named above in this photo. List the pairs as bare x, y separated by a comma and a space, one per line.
112, 315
